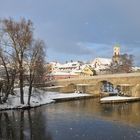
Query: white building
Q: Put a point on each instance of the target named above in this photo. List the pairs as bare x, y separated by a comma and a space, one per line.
135, 69
66, 67
62, 71
101, 64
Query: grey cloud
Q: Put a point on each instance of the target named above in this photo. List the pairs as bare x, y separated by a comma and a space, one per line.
62, 24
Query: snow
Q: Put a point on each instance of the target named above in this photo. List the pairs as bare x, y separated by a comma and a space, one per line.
135, 68
71, 95
126, 85
38, 98
69, 65
52, 87
84, 84
61, 73
102, 61
117, 98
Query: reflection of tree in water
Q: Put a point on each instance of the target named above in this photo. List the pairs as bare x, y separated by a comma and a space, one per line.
23, 125
6, 127
0, 125
37, 126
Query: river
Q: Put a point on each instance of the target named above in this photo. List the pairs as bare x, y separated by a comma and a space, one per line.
73, 120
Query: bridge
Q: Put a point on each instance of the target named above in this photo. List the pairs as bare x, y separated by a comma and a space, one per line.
127, 83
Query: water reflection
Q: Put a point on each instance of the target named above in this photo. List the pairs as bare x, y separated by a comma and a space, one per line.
23, 125
127, 113
74, 120
90, 120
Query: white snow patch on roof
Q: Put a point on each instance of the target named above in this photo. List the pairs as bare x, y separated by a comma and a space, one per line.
103, 61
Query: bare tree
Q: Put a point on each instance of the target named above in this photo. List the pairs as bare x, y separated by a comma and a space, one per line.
124, 65
49, 69
8, 73
19, 35
36, 69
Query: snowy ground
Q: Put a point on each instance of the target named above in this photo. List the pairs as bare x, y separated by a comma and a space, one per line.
39, 97
117, 98
52, 87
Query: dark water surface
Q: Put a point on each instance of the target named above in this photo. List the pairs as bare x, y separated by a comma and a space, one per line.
74, 120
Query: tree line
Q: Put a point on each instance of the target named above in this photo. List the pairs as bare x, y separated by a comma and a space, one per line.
22, 57
124, 64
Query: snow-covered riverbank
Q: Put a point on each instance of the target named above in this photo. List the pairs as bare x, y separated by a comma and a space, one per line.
117, 99
39, 97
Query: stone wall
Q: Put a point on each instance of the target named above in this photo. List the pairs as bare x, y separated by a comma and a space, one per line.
95, 81
68, 88
136, 90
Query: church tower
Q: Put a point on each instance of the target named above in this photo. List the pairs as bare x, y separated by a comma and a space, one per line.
116, 53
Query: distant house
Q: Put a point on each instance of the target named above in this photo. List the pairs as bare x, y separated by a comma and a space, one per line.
136, 69
63, 71
60, 75
66, 67
69, 66
53, 66
69, 70
101, 65
87, 70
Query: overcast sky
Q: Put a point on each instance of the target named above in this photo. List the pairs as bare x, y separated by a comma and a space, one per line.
81, 29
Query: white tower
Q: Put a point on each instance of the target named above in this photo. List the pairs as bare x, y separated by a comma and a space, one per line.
116, 53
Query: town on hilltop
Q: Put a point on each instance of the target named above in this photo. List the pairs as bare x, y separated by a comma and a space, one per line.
117, 64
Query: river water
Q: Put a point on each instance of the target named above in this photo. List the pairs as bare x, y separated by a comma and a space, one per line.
73, 120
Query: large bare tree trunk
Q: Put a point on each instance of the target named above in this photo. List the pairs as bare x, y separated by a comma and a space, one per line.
0, 100
21, 81
31, 79
0, 92
30, 93
7, 78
